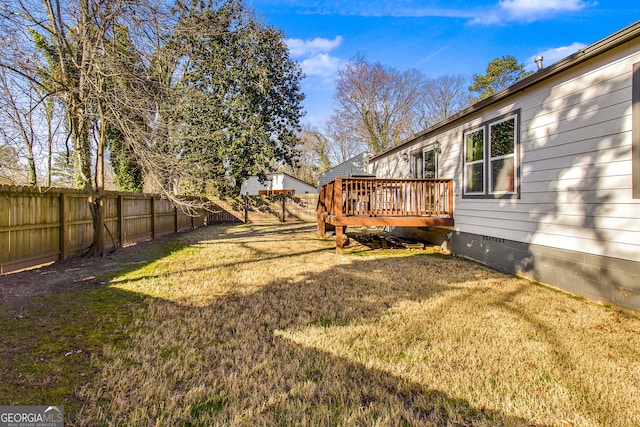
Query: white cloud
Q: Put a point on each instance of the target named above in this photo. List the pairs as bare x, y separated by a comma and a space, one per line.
368, 8
315, 56
553, 55
322, 65
300, 47
529, 10
501, 12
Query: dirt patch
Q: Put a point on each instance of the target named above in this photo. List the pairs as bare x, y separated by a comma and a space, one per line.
74, 272
84, 271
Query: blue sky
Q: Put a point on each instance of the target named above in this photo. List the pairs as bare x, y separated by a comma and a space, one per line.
437, 37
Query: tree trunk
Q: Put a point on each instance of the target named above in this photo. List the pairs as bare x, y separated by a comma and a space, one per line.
98, 246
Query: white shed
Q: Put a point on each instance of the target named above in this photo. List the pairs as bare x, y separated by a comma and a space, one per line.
276, 183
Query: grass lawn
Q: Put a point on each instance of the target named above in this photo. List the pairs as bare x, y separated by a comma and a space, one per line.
265, 325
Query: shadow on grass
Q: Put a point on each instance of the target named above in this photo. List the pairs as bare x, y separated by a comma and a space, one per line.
230, 362
57, 319
50, 343
302, 381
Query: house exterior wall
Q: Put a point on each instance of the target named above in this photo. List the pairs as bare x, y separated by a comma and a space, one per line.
291, 183
279, 181
252, 185
355, 165
575, 223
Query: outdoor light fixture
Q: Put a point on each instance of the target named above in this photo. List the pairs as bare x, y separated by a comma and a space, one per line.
405, 157
436, 147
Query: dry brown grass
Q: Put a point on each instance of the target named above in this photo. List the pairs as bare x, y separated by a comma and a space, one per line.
266, 325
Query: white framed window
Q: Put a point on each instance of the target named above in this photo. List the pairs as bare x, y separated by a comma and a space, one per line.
474, 161
502, 160
491, 158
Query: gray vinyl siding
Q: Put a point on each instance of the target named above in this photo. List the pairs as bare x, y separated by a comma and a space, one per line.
575, 162
575, 223
354, 166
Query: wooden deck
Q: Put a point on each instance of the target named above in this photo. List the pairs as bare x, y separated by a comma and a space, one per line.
399, 202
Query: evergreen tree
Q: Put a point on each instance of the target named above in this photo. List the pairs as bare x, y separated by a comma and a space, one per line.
244, 101
500, 74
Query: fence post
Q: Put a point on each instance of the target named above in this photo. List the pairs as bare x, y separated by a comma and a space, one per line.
284, 209
120, 208
153, 218
175, 219
246, 208
63, 227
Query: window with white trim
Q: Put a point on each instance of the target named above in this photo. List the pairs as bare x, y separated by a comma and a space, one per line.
491, 158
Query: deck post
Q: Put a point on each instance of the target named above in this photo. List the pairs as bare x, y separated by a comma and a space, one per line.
450, 205
339, 238
320, 210
337, 198
322, 227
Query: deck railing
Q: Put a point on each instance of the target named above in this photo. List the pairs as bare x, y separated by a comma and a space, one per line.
391, 197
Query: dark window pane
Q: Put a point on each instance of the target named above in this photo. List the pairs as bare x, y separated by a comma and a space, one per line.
429, 165
475, 178
502, 138
502, 175
474, 145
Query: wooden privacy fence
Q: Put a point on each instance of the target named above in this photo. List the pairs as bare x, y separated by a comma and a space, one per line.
281, 207
50, 225
39, 226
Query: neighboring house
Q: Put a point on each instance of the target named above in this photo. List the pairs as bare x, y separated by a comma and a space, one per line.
276, 183
546, 174
356, 165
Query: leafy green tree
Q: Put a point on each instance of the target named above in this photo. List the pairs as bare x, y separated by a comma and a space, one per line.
500, 74
243, 108
125, 64
128, 173
10, 167
62, 170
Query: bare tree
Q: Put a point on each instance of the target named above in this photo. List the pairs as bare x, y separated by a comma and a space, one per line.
199, 94
443, 97
18, 104
31, 122
343, 140
59, 47
376, 103
317, 144
312, 159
